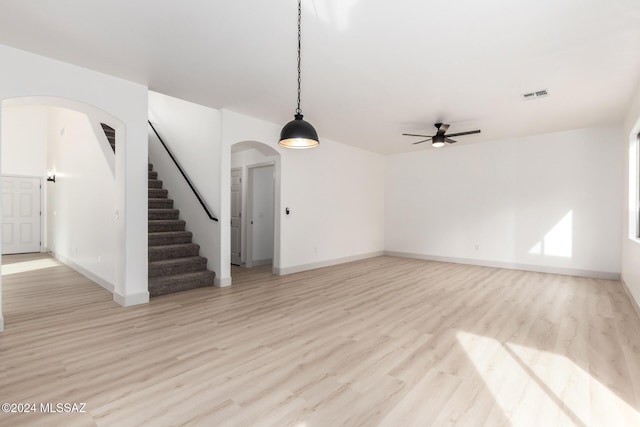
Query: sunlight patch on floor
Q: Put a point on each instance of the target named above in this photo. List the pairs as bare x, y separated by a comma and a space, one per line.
535, 387
25, 266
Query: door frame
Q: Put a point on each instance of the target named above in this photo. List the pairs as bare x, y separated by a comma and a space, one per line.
43, 206
242, 225
248, 217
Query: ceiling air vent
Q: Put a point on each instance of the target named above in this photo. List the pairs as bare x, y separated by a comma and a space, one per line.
536, 94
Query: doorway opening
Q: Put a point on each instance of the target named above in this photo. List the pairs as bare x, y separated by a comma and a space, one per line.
260, 204
56, 157
255, 202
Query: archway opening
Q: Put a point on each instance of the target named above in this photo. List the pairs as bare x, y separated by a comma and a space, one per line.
255, 206
60, 146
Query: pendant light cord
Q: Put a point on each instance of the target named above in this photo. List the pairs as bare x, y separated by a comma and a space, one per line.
298, 110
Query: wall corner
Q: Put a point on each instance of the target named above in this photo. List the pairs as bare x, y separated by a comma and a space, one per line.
222, 282
129, 300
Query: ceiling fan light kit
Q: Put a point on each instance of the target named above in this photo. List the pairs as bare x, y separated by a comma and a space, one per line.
440, 137
299, 133
437, 141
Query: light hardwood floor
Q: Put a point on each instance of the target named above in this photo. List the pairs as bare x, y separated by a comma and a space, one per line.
384, 341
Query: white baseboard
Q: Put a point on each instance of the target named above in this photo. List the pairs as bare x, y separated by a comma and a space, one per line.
129, 300
222, 282
312, 266
633, 301
89, 275
511, 266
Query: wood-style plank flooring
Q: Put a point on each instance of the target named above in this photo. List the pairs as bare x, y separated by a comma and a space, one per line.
380, 342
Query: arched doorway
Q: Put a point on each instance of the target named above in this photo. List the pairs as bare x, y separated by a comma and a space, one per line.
255, 205
69, 153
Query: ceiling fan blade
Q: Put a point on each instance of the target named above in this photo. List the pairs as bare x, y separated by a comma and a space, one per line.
420, 142
442, 128
450, 141
413, 134
464, 133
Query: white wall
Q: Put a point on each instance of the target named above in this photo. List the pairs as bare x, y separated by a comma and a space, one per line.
249, 156
546, 202
24, 148
82, 201
24, 133
192, 133
28, 75
630, 241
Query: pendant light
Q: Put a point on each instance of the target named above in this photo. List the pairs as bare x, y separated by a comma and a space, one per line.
298, 133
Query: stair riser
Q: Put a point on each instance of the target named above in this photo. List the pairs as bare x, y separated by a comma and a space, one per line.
182, 285
153, 175
165, 214
171, 253
171, 226
186, 267
160, 204
157, 193
150, 167
155, 183
172, 240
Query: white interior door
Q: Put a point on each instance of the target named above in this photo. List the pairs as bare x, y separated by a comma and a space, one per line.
236, 216
20, 215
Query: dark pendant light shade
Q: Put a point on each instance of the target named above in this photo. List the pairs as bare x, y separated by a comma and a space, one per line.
298, 133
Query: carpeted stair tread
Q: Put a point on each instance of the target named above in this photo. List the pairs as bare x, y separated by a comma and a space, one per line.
154, 183
169, 238
157, 193
179, 250
150, 167
180, 282
155, 214
160, 203
173, 266
110, 133
156, 225
153, 175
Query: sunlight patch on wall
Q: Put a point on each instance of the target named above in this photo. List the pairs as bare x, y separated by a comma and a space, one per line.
557, 391
335, 12
634, 194
558, 241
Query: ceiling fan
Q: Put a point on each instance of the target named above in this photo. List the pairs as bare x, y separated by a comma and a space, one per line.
440, 138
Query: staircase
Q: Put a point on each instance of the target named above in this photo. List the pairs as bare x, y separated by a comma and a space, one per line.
174, 263
110, 133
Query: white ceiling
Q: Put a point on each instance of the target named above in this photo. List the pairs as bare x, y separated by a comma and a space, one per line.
372, 69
